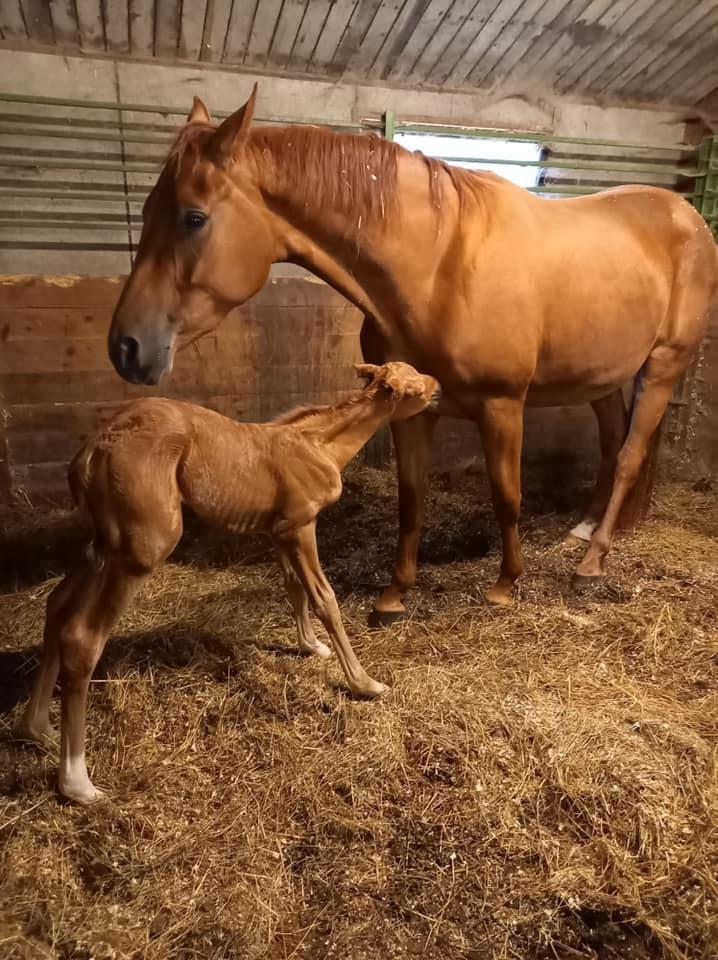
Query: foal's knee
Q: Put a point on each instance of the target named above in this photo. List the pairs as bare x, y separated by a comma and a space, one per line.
78, 652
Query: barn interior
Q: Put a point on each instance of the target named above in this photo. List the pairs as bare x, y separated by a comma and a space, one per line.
540, 782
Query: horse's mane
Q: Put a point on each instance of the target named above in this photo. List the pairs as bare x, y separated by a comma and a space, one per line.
306, 411
353, 173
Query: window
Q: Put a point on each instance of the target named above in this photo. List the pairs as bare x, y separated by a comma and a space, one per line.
464, 151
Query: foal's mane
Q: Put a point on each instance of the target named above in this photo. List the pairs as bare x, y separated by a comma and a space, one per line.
353, 173
307, 411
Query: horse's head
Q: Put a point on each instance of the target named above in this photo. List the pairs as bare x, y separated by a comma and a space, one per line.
207, 245
400, 384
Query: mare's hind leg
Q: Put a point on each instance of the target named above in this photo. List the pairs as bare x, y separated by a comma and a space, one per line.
612, 419
661, 371
301, 549
306, 638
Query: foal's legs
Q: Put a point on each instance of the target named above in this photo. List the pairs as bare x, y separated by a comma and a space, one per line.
306, 638
660, 374
501, 426
80, 629
35, 724
412, 440
612, 419
301, 548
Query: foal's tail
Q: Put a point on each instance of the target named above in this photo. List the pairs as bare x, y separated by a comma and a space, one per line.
79, 475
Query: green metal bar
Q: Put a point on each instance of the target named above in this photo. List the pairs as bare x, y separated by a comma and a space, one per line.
81, 135
70, 164
530, 136
619, 166
388, 125
156, 108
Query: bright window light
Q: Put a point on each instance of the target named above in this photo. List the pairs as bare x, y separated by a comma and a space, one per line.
462, 151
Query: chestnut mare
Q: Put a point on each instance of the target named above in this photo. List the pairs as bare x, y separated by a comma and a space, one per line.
506, 298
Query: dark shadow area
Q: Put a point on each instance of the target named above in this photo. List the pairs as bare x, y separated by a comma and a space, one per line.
35, 546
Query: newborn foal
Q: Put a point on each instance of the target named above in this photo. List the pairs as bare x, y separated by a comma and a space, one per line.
133, 478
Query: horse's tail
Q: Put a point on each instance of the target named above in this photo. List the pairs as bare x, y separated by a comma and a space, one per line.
638, 502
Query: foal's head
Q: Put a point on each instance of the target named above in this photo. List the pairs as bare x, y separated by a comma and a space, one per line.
400, 387
207, 245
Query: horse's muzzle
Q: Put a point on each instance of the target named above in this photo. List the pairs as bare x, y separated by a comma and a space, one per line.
135, 363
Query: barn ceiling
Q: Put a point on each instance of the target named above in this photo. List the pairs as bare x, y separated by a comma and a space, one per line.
663, 51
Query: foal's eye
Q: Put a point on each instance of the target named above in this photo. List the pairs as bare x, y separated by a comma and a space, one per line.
194, 219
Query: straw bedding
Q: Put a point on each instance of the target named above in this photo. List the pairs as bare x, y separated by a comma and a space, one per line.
539, 783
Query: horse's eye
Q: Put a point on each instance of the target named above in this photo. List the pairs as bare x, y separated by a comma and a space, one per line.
194, 219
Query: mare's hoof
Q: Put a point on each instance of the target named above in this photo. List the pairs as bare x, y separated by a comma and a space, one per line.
385, 618
582, 583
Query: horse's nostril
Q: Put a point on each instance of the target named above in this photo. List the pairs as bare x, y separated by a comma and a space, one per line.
129, 351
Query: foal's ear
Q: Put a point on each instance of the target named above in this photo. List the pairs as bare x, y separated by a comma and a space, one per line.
233, 132
199, 113
366, 371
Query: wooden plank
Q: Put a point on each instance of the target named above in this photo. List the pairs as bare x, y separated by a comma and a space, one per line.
216, 24
51, 323
626, 26
445, 33
287, 29
360, 60
592, 28
167, 22
191, 29
12, 21
38, 22
489, 31
309, 33
262, 32
360, 22
31, 290
635, 50
64, 22
690, 55
141, 17
90, 24
535, 41
590, 56
238, 31
429, 22
117, 27
462, 38
5, 477
332, 32
510, 45
396, 40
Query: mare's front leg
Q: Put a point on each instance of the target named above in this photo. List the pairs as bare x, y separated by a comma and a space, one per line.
412, 441
501, 427
300, 547
306, 638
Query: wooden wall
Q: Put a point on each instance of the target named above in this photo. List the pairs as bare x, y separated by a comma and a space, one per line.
295, 342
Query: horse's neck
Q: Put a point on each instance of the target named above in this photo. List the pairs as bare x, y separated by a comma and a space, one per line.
344, 429
358, 254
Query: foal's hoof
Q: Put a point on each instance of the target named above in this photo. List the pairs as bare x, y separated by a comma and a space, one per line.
582, 583
46, 737
82, 794
370, 689
499, 597
385, 618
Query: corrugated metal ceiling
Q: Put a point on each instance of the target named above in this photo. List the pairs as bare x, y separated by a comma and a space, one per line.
662, 51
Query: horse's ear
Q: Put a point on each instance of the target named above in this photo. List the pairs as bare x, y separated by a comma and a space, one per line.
199, 113
233, 132
366, 371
